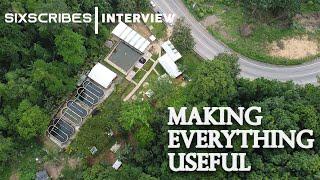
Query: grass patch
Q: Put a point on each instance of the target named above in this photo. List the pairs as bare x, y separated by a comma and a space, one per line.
155, 56
310, 6
158, 29
160, 69
139, 75
255, 46
112, 68
128, 87
148, 65
188, 63
152, 77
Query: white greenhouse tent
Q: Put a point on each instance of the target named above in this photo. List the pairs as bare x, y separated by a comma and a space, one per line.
171, 51
169, 66
131, 37
102, 75
168, 60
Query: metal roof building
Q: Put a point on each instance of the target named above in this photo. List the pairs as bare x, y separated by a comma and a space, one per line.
102, 75
169, 66
168, 60
171, 51
124, 57
131, 37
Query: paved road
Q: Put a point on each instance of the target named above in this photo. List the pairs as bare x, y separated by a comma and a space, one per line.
208, 47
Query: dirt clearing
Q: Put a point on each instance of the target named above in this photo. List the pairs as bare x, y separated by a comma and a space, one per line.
212, 20
311, 22
53, 169
141, 29
294, 48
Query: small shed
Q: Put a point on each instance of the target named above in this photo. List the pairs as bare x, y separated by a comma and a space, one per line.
168, 60
115, 147
93, 150
149, 93
116, 165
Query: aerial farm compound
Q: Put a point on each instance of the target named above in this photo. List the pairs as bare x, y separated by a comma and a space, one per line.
129, 52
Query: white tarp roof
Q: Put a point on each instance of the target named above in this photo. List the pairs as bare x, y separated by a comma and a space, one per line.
102, 75
131, 37
171, 51
169, 66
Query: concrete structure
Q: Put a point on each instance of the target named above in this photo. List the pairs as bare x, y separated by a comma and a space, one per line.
124, 58
73, 113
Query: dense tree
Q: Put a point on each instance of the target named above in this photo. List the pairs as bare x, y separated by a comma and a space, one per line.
70, 46
100, 172
212, 84
284, 106
181, 37
32, 121
135, 114
38, 67
6, 148
284, 9
131, 6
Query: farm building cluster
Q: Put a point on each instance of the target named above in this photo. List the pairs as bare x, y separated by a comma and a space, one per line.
95, 88
130, 51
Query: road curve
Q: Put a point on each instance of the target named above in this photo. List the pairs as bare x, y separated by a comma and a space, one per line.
208, 47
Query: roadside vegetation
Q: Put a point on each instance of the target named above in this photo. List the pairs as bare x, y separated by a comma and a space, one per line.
278, 32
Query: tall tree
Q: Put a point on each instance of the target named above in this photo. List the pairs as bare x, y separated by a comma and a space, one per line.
213, 83
135, 114
32, 122
181, 37
70, 46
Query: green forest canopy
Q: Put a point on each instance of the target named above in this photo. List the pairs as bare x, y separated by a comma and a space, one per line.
285, 106
40, 63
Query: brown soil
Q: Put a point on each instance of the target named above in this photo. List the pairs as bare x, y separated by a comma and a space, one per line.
310, 22
168, 33
216, 24
155, 48
49, 145
106, 157
294, 48
73, 162
110, 157
14, 176
53, 169
141, 29
212, 20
